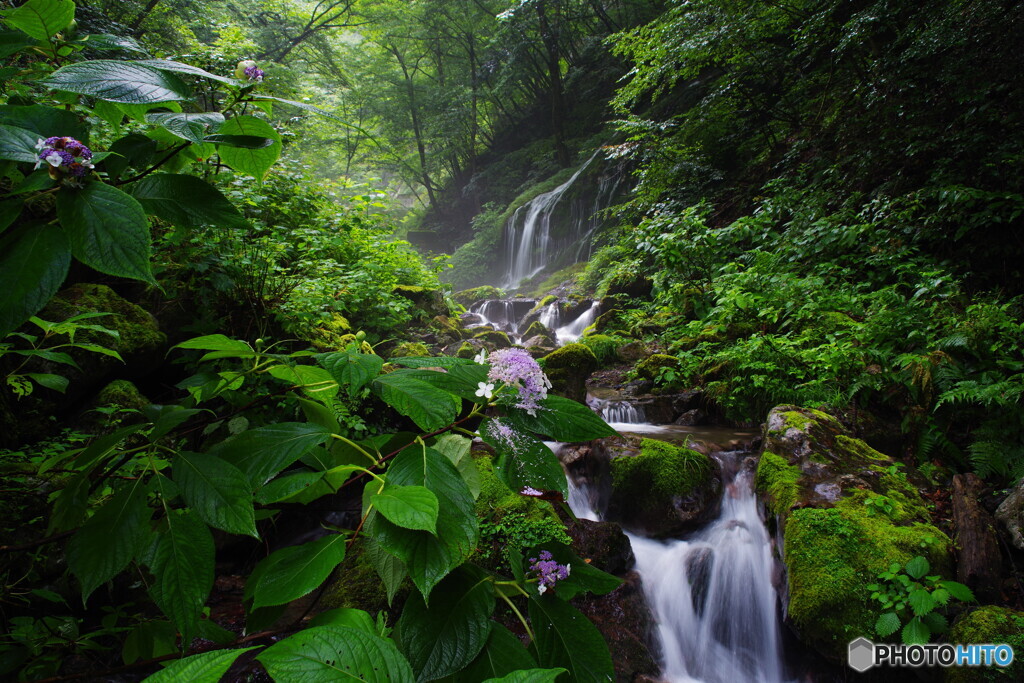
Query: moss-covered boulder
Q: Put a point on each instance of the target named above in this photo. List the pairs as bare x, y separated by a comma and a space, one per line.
447, 330
493, 339
605, 348
330, 333
430, 302
539, 329
650, 367
568, 369
988, 624
664, 489
467, 349
632, 352
468, 297
843, 513
410, 348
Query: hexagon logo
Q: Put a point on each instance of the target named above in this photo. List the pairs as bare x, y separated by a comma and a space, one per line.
861, 655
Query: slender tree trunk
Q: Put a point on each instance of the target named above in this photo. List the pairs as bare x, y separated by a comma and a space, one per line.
143, 14
417, 128
555, 82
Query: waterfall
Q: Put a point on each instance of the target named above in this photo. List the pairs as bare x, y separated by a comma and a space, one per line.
574, 330
551, 316
623, 412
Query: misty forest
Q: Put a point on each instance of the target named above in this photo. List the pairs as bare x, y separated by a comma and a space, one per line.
511, 341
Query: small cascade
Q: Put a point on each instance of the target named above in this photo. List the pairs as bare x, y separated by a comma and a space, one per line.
574, 330
503, 314
551, 316
623, 412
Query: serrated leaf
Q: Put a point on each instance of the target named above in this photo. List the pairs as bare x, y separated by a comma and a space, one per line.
185, 201
502, 654
218, 342
45, 121
921, 602
457, 449
959, 591
935, 622
287, 485
33, 264
941, 596
344, 616
524, 460
207, 667
351, 369
107, 230
178, 67
217, 490
254, 162
389, 568
292, 572
54, 382
18, 144
916, 632
315, 382
887, 624
191, 127
13, 41
460, 380
918, 567
429, 407
107, 542
118, 81
410, 507
447, 636
182, 562
239, 141
41, 19
335, 653
107, 41
262, 453
562, 419
530, 676
565, 638
446, 362
9, 212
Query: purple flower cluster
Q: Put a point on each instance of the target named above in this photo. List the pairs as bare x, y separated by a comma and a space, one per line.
517, 368
548, 571
254, 73
67, 154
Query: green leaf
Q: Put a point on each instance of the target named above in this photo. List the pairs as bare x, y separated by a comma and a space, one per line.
306, 107
429, 407
178, 67
186, 201
530, 676
41, 19
959, 591
921, 602
335, 653
107, 41
524, 460
286, 486
107, 230
166, 418
582, 578
117, 81
446, 362
410, 507
389, 568
18, 144
316, 382
345, 616
916, 632
447, 636
262, 453
292, 572
254, 162
54, 382
208, 667
239, 141
218, 342
502, 654
183, 562
566, 638
110, 539
217, 491
192, 127
887, 624
427, 558
351, 369
935, 622
562, 419
136, 151
457, 449
33, 264
918, 567
45, 121
13, 41
461, 380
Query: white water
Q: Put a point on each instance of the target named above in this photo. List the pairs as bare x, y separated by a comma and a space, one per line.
711, 594
550, 316
574, 330
623, 412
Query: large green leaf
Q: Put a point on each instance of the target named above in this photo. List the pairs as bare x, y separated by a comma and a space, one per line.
429, 407
240, 141
292, 572
410, 507
41, 19
389, 568
108, 41
262, 453
447, 636
208, 667
562, 419
530, 676
524, 461
110, 539
462, 380
916, 632
191, 127
182, 562
254, 162
45, 121
13, 41
217, 491
118, 81
345, 616
335, 653
178, 67
502, 654
566, 638
316, 382
582, 578
286, 486
427, 558
351, 369
107, 230
18, 144
33, 264
457, 448
186, 201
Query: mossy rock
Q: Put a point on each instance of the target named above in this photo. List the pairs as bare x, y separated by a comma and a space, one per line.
429, 301
468, 297
467, 350
358, 586
605, 348
123, 394
652, 365
664, 490
542, 303
407, 349
330, 334
988, 624
137, 330
446, 329
568, 369
537, 328
494, 339
606, 321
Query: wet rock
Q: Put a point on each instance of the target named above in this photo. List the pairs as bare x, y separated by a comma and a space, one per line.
430, 302
1010, 514
568, 369
471, 319
632, 352
637, 387
692, 418
626, 623
602, 544
468, 297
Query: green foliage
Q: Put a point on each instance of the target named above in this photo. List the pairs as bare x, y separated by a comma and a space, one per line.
662, 471
905, 592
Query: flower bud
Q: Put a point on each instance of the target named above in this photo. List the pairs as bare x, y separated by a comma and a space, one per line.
242, 66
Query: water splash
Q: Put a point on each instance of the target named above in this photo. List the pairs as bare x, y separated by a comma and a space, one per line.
574, 330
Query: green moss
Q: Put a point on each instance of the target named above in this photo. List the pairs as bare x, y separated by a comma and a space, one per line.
904, 494
568, 369
989, 624
650, 366
429, 301
660, 472
606, 321
831, 554
410, 349
137, 329
605, 348
447, 329
359, 586
496, 337
121, 393
467, 350
858, 447
331, 334
468, 297
543, 303
537, 328
779, 480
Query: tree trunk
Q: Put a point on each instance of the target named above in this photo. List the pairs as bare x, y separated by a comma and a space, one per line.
555, 83
979, 563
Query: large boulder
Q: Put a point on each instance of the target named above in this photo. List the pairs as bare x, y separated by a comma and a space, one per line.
430, 302
988, 624
842, 513
568, 369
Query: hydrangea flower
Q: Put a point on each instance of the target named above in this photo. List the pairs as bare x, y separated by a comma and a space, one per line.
65, 156
484, 389
481, 357
548, 571
517, 368
247, 69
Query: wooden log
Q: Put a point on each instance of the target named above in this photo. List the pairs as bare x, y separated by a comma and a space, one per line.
979, 563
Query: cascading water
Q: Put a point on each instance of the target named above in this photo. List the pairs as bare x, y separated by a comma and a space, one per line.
712, 594
550, 317
622, 412
574, 330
